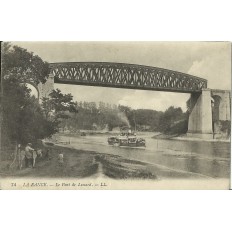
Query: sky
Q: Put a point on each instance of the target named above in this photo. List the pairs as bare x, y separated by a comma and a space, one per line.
209, 60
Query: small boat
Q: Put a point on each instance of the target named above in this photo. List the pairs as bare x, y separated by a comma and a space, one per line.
113, 140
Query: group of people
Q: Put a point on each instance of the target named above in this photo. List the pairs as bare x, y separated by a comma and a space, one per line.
31, 154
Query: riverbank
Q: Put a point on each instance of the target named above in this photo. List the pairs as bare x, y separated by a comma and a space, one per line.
184, 137
80, 164
154, 135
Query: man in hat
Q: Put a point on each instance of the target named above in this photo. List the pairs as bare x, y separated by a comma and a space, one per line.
28, 155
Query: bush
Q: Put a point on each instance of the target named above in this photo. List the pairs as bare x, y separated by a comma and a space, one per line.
179, 128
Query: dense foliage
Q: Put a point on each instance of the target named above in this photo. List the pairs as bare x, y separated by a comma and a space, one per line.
57, 106
23, 120
173, 120
22, 65
93, 116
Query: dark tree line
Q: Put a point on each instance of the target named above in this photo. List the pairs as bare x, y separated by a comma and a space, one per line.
93, 116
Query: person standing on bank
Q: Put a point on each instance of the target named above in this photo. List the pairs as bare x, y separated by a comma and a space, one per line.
28, 155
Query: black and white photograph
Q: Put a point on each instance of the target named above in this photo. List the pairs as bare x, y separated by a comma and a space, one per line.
115, 115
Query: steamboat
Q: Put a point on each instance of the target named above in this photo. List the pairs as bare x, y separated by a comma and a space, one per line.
127, 139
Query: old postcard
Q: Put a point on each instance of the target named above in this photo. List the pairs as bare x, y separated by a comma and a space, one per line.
115, 115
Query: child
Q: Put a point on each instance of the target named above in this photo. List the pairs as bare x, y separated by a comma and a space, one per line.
47, 154
60, 159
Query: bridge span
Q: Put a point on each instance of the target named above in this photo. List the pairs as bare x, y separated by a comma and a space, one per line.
205, 103
119, 75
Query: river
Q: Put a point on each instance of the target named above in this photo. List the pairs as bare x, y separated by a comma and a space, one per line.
210, 159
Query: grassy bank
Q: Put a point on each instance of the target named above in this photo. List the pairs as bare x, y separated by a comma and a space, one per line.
80, 164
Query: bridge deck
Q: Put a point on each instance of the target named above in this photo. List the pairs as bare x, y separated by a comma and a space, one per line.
119, 75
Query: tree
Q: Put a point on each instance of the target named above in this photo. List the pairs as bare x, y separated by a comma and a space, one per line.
170, 118
22, 116
58, 106
20, 64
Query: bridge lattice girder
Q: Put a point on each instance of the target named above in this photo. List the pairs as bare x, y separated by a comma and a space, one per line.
125, 76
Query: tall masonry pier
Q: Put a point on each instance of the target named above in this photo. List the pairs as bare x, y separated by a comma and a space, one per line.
210, 109
200, 118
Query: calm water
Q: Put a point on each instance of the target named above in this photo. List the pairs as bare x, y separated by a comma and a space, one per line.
211, 159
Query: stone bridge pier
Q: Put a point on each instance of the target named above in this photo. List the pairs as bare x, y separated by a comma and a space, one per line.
209, 110
45, 89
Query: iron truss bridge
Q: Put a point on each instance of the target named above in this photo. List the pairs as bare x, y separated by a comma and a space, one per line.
119, 75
